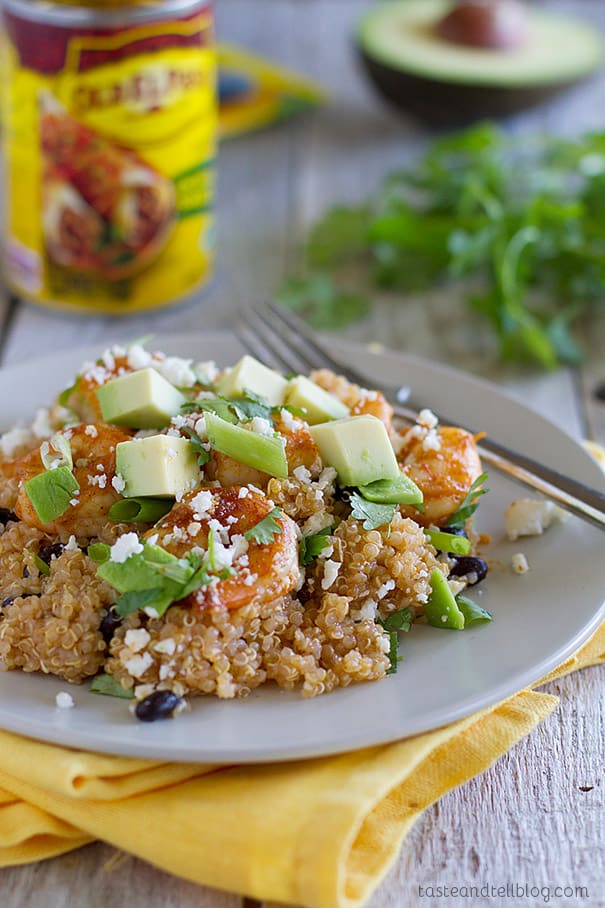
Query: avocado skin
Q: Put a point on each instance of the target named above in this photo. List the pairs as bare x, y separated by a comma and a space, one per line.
443, 105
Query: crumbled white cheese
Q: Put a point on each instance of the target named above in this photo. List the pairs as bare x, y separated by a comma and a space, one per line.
316, 523
386, 587
41, 426
243, 492
91, 431
261, 426
194, 528
302, 474
136, 666
519, 563
72, 545
136, 639
456, 585
366, 611
124, 547
331, 569
200, 428
119, 483
166, 646
202, 504
176, 370
64, 700
427, 419
139, 358
100, 481
207, 372
143, 690
165, 672
14, 439
289, 421
530, 517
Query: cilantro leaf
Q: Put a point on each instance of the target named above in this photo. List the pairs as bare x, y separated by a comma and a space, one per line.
470, 503
371, 513
136, 599
311, 546
266, 529
42, 566
522, 221
397, 621
51, 492
110, 687
203, 455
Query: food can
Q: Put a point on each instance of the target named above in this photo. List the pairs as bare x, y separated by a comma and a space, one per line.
109, 130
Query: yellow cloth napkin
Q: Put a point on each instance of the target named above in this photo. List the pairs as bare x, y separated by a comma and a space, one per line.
320, 833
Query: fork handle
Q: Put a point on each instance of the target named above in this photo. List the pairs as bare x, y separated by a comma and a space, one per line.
573, 496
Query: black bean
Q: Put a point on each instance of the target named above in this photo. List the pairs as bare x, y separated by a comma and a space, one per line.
26, 573
110, 624
9, 601
468, 564
50, 551
6, 515
161, 704
456, 531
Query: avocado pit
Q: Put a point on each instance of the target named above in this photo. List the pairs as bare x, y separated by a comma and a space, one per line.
486, 24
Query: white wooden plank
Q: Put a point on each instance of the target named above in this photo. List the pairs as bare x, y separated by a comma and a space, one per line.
98, 875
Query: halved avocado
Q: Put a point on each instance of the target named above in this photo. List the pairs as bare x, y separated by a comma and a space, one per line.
452, 84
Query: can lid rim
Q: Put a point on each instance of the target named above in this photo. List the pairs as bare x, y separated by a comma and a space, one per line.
73, 15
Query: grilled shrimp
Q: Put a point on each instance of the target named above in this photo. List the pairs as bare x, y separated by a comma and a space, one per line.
82, 397
93, 449
360, 401
444, 470
263, 572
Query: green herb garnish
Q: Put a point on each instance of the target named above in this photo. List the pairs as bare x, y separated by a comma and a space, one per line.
140, 510
371, 513
203, 455
110, 687
398, 621
519, 222
153, 578
469, 504
473, 613
310, 547
266, 529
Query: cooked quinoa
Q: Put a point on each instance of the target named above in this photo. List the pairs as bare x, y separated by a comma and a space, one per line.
312, 626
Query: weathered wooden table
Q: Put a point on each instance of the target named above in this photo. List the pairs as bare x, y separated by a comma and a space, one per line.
536, 817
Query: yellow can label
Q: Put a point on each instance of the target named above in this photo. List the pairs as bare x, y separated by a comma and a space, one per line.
109, 146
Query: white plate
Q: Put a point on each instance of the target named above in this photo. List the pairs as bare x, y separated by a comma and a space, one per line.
540, 618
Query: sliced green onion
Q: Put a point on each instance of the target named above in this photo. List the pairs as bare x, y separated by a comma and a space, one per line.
42, 566
473, 613
449, 542
98, 552
442, 609
140, 510
393, 491
51, 493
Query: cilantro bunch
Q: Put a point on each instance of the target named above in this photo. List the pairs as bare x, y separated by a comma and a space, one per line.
519, 219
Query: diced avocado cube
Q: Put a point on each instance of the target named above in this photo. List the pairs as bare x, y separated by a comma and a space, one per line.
141, 400
442, 609
263, 452
161, 466
319, 405
251, 375
358, 448
51, 493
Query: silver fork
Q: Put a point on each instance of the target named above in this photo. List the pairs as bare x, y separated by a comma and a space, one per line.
275, 334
